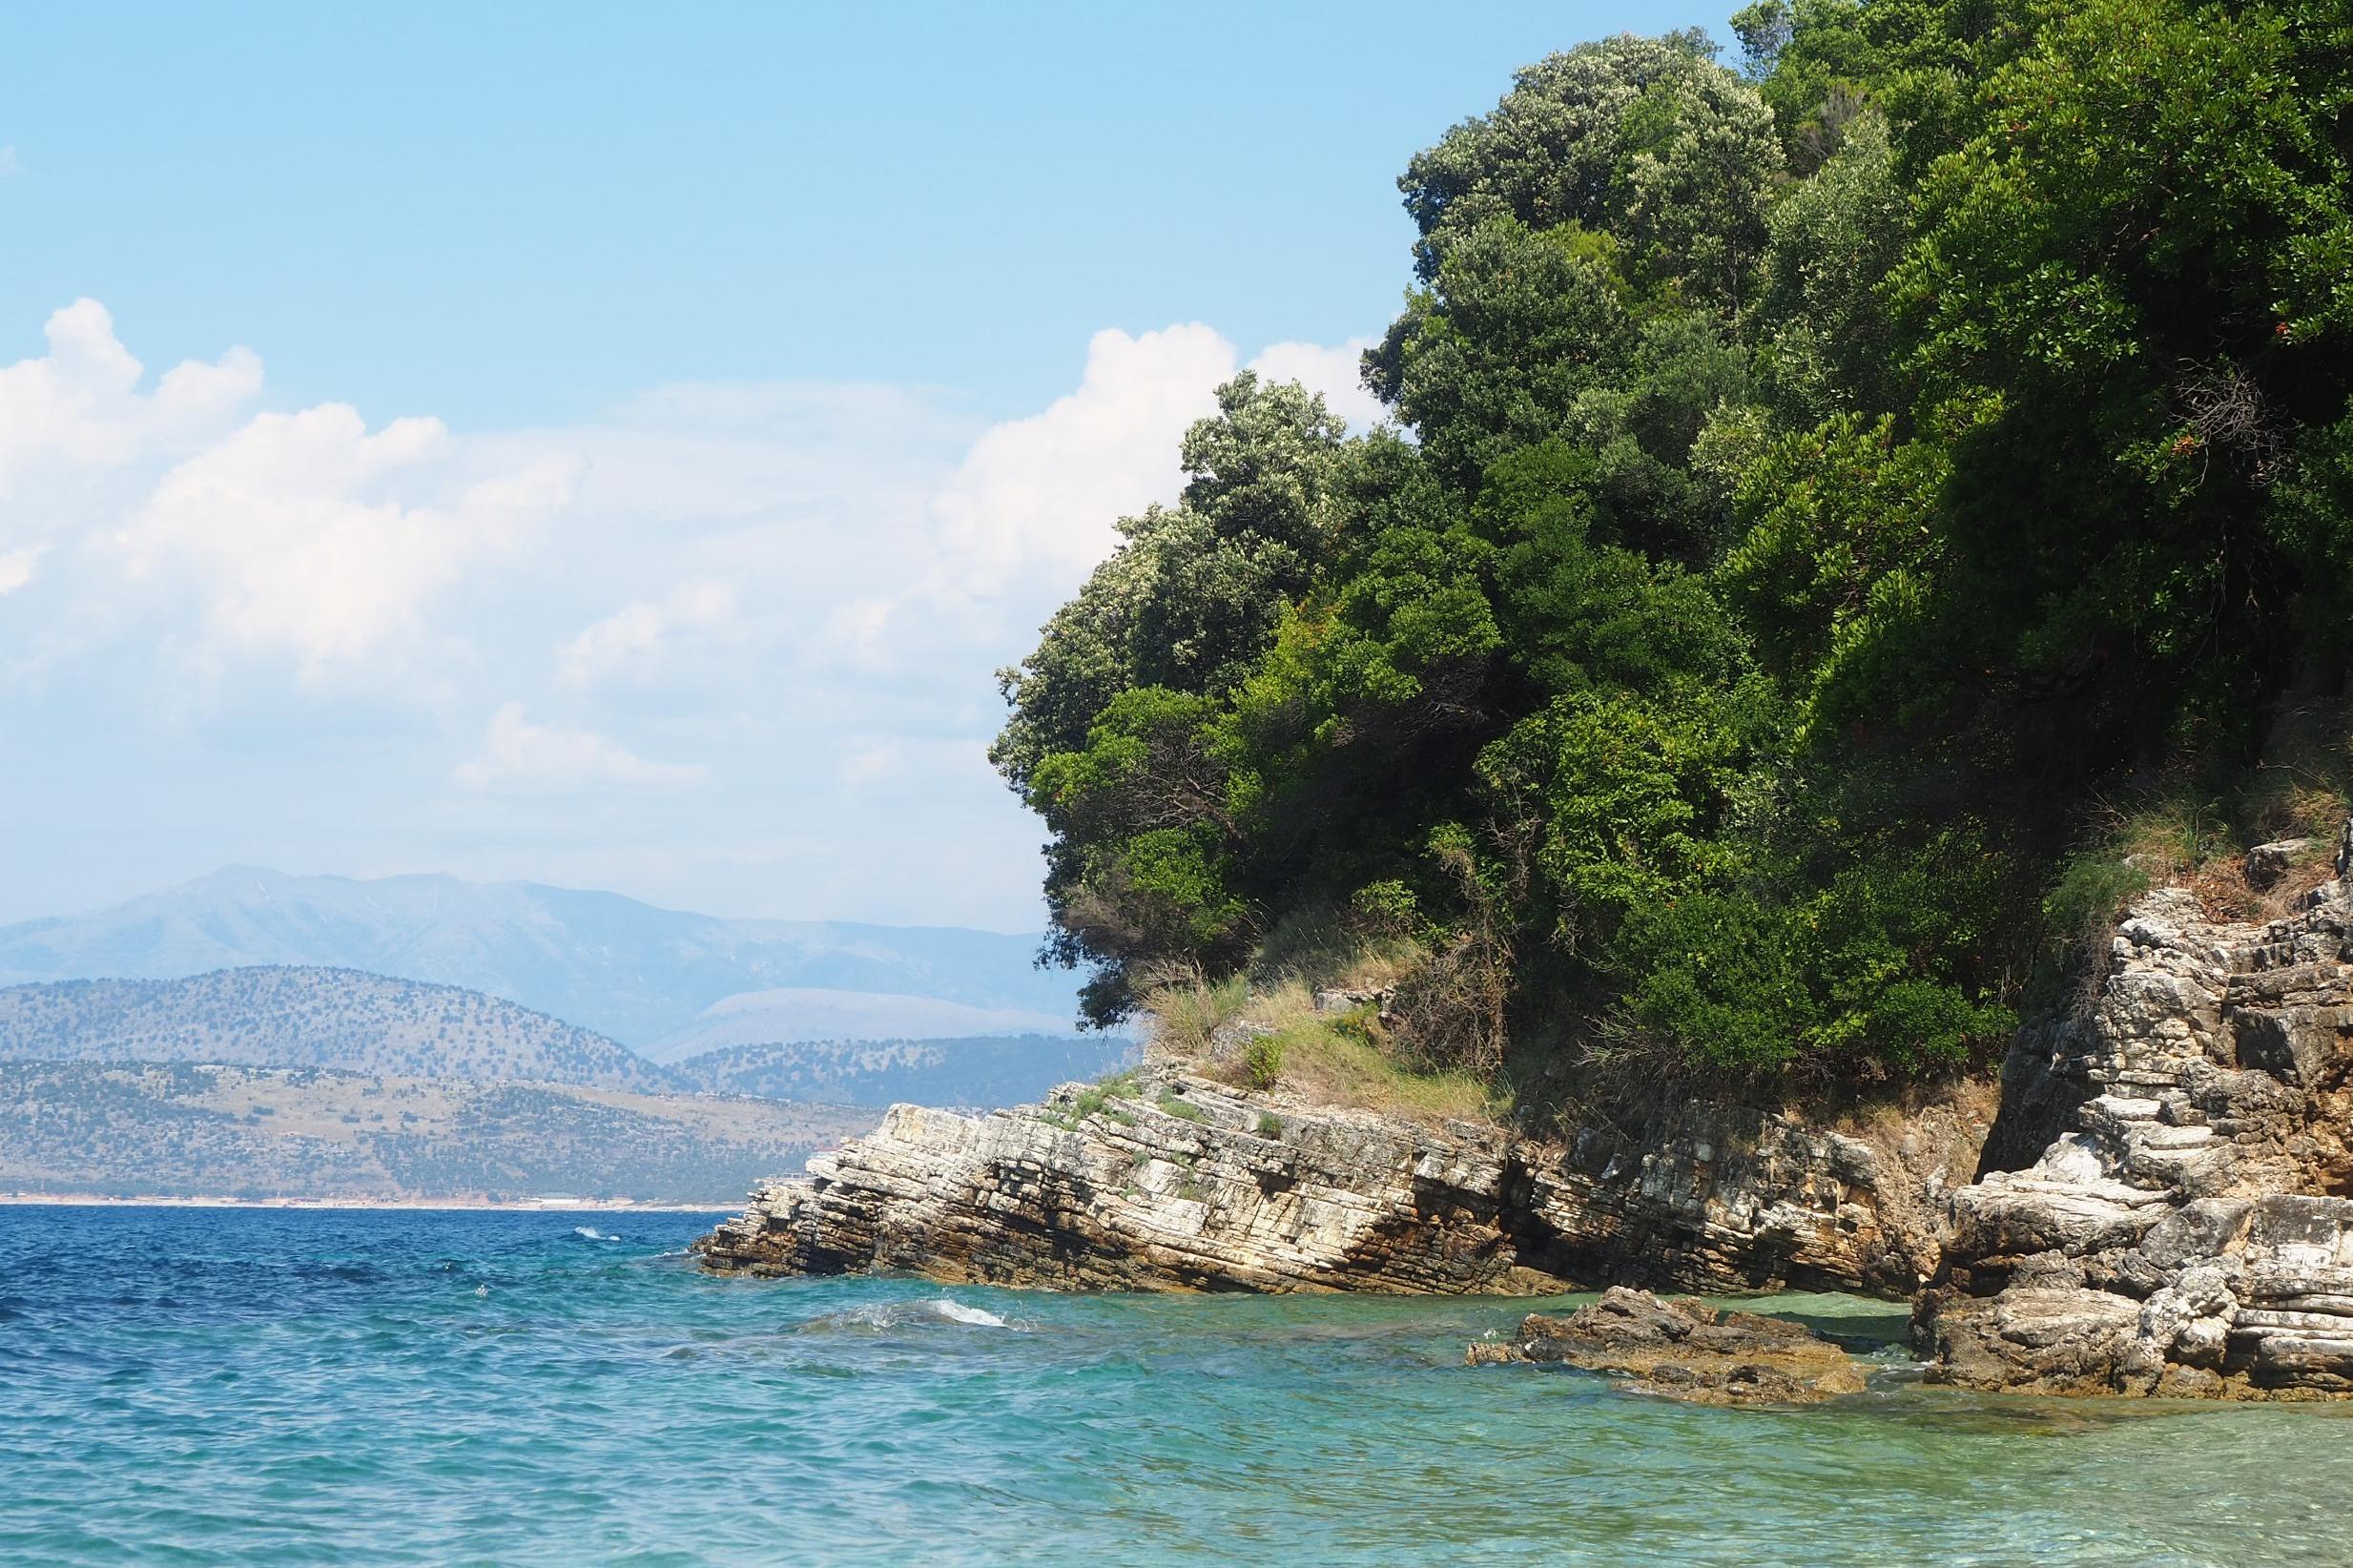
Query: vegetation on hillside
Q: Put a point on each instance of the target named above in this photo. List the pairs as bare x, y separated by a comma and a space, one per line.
301, 1017
1834, 501
180, 1129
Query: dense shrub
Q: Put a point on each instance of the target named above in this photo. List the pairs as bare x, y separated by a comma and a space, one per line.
1819, 486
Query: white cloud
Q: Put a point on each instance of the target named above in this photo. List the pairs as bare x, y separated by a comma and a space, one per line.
291, 528
302, 534
1046, 489
77, 411
16, 569
10, 163
516, 751
1334, 372
805, 587
1032, 508
634, 634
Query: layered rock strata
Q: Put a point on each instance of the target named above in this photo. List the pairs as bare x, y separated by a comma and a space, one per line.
1173, 1180
1684, 1349
2185, 1229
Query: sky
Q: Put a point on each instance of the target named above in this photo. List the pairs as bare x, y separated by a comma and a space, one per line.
616, 447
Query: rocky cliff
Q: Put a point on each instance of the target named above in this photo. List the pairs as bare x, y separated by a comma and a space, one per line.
1168, 1180
2165, 1203
2184, 1230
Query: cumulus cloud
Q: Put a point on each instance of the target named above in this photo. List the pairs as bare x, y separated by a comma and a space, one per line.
805, 587
16, 569
77, 411
1334, 372
302, 534
1033, 505
1046, 489
292, 528
635, 634
514, 751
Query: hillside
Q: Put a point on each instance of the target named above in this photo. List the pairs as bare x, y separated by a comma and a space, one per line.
626, 969
984, 1072
182, 1130
1850, 522
311, 1018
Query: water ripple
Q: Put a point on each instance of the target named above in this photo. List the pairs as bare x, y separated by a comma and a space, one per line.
239, 1387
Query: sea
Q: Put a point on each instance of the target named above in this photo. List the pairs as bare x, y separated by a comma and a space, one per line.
308, 1387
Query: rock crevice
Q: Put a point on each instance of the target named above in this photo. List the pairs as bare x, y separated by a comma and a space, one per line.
2185, 1229
1174, 1181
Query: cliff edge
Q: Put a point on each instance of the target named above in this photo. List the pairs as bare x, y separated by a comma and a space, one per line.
1167, 1179
2185, 1231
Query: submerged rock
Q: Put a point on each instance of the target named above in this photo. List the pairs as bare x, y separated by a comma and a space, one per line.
1685, 1349
1173, 1180
2182, 1229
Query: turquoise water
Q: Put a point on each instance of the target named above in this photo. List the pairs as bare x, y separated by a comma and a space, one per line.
256, 1387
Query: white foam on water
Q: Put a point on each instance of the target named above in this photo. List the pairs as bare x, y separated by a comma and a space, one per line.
891, 1316
956, 1312
589, 1233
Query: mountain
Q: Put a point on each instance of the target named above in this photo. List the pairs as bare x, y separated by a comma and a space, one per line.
986, 1072
182, 1130
312, 1017
628, 969
793, 1013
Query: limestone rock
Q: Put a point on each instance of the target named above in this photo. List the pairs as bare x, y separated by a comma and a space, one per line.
1180, 1181
2267, 863
1686, 1350
2181, 1230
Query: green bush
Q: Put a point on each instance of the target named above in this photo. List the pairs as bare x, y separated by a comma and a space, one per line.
1262, 1062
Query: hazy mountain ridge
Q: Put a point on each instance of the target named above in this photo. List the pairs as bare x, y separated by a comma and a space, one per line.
985, 1071
807, 1014
603, 962
289, 1017
183, 1130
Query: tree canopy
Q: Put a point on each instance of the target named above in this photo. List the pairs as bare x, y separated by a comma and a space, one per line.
1813, 491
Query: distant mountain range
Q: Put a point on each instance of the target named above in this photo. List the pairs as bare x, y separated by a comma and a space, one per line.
347, 1020
981, 1073
313, 1017
629, 970
254, 1033
765, 1017
179, 1129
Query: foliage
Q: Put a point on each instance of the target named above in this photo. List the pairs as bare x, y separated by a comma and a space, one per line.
1816, 488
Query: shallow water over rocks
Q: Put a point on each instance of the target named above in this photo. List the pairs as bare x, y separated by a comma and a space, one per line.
216, 1387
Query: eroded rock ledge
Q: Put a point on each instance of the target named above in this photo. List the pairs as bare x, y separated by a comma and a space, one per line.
1685, 1349
2185, 1231
1182, 1182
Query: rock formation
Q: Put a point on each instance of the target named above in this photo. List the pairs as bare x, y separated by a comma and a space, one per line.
2165, 1203
2183, 1228
1685, 1349
1173, 1180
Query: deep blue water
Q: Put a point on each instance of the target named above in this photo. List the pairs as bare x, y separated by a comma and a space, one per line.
182, 1385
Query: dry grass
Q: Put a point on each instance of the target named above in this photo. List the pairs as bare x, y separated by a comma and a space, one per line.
2192, 844
1324, 1059
1186, 1012
1329, 1066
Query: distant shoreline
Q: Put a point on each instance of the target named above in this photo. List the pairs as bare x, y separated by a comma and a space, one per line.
569, 1205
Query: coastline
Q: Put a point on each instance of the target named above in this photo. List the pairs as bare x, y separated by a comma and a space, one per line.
566, 1206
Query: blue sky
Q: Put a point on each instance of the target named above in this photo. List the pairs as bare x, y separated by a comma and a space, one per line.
613, 446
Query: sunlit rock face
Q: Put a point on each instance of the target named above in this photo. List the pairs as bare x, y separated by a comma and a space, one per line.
1178, 1182
2185, 1228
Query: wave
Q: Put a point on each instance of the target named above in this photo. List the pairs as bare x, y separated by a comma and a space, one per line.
589, 1233
956, 1312
886, 1316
